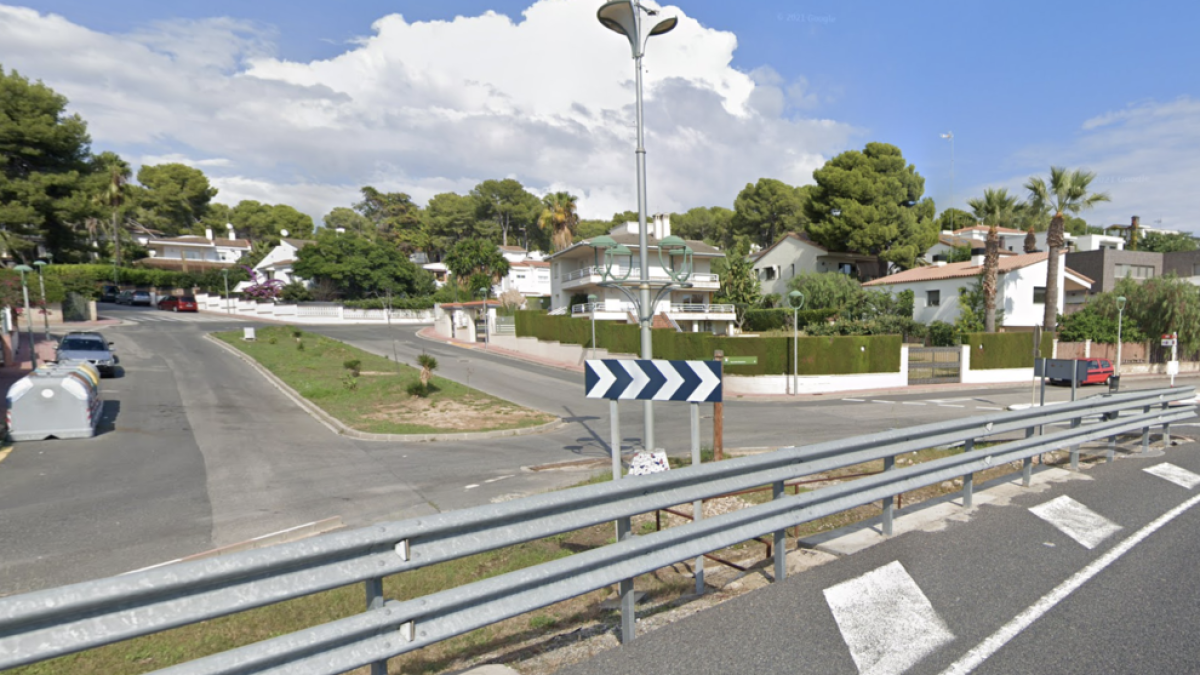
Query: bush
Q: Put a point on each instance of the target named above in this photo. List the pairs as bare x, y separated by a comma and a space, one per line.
417, 389
942, 334
352, 365
295, 292
350, 381
425, 302
758, 320
299, 345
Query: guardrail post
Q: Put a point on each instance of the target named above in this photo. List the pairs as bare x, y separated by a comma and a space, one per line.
780, 539
1027, 463
625, 590
374, 588
1166, 429
889, 503
698, 505
1075, 448
968, 488
1146, 432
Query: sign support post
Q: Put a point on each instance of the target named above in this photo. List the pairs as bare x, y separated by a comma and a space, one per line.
719, 414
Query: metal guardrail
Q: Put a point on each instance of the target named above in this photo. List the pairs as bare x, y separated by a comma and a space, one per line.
44, 624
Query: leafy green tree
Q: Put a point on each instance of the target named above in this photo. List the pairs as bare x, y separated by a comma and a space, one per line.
43, 154
350, 221
739, 282
768, 209
558, 218
1157, 242
1066, 192
471, 257
264, 222
954, 219
877, 198
395, 217
972, 309
1158, 306
623, 217
828, 291
1098, 325
216, 217
959, 253
586, 229
507, 204
172, 197
360, 267
712, 225
450, 218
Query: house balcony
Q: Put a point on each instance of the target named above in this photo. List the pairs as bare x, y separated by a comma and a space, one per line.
592, 276
623, 310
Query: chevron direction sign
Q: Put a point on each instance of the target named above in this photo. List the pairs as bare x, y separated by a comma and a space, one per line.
690, 381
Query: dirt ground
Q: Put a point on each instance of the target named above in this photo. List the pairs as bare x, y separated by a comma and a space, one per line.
467, 414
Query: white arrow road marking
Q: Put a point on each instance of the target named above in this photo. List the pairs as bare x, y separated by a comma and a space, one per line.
708, 382
887, 622
604, 383
1176, 474
640, 380
673, 383
1076, 520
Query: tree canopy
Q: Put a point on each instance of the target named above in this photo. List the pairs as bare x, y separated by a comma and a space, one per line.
954, 219
171, 197
768, 209
877, 199
265, 222
711, 224
739, 282
476, 256
360, 267
507, 204
1158, 242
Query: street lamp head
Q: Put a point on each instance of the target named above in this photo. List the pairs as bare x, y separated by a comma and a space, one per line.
603, 241
592, 297
23, 268
39, 264
948, 134
795, 296
618, 16
675, 246
1120, 302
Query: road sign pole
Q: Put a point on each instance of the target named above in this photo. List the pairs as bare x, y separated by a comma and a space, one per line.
615, 442
625, 592
698, 505
719, 414
1174, 356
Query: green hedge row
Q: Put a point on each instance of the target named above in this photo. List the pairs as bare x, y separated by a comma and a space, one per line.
781, 319
397, 303
1006, 350
817, 355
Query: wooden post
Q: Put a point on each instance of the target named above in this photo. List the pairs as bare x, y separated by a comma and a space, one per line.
718, 413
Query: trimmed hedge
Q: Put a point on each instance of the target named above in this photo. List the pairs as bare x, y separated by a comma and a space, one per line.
1006, 350
817, 355
397, 303
758, 320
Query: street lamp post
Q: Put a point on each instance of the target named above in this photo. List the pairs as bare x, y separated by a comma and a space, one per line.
42, 283
28, 313
625, 17
793, 297
1120, 315
225, 273
592, 301
949, 135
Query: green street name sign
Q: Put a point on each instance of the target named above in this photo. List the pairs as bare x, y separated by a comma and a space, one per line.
741, 360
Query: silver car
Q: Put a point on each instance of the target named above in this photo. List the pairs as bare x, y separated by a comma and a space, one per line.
90, 347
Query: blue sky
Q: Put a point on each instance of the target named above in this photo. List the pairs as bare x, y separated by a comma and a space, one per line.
1021, 85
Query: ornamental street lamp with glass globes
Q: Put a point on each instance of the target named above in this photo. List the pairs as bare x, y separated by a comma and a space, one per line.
796, 300
625, 17
28, 313
1120, 315
39, 264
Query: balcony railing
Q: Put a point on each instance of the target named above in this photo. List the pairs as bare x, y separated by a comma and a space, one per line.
635, 273
685, 308
701, 309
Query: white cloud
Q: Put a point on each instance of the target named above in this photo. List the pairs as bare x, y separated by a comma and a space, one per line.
434, 106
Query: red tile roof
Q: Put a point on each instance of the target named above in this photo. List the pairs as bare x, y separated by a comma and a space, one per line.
964, 269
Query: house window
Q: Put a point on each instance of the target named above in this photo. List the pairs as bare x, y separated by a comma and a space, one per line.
845, 268
1039, 295
933, 298
1138, 272
1196, 270
768, 273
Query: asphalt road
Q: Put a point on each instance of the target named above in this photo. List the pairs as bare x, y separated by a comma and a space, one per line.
198, 451
1006, 592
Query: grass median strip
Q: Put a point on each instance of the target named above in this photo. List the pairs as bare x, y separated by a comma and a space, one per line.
374, 394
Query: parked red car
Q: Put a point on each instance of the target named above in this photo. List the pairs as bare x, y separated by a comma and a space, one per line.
1099, 371
176, 303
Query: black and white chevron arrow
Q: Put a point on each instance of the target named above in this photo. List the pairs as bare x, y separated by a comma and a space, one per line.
691, 381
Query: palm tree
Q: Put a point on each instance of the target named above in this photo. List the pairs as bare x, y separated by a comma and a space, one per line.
996, 209
559, 217
1067, 192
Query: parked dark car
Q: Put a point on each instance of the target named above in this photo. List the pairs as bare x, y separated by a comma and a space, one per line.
178, 303
1099, 371
140, 298
90, 347
109, 294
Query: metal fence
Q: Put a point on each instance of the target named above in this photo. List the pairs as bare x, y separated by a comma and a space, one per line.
934, 365
45, 624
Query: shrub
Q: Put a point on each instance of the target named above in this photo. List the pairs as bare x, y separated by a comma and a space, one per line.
758, 320
352, 365
417, 389
942, 334
295, 292
299, 345
350, 381
272, 340
428, 365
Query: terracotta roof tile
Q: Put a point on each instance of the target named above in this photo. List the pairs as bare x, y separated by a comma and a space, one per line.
964, 269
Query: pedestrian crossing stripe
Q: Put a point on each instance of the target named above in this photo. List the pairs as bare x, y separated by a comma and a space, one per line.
1076, 521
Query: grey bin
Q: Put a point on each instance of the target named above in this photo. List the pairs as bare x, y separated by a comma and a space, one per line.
57, 400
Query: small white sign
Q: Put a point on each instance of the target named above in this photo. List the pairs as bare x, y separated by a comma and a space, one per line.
645, 463
1168, 342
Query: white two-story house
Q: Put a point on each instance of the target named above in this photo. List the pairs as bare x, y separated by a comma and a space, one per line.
577, 272
278, 263
195, 253
794, 253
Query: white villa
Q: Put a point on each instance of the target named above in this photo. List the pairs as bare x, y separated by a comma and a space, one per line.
278, 263
577, 271
195, 252
1020, 288
528, 273
1012, 241
794, 253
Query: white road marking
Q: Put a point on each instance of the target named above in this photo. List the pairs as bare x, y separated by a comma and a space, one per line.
972, 659
471, 486
946, 400
493, 480
913, 403
1176, 474
161, 564
886, 621
875, 401
856, 400
948, 405
1076, 520
987, 407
